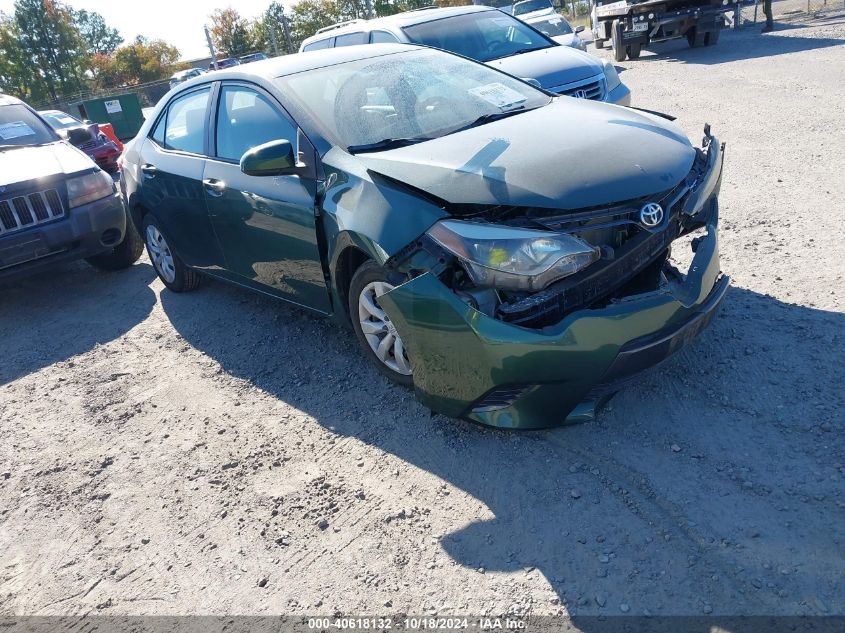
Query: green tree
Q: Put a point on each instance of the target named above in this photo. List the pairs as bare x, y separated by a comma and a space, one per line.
98, 36
16, 74
310, 15
140, 62
271, 25
51, 43
231, 33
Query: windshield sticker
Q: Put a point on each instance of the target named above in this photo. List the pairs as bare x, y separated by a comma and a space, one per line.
498, 94
15, 129
64, 118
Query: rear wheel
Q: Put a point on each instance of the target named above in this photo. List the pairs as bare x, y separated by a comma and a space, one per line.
619, 51
124, 254
169, 268
634, 51
695, 38
375, 332
599, 43
712, 37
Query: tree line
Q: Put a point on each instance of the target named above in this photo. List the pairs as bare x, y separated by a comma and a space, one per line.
49, 50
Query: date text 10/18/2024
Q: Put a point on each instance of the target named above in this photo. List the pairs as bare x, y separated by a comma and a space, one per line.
417, 623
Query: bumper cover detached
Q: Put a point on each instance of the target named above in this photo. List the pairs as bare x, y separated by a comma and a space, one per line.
471, 366
87, 230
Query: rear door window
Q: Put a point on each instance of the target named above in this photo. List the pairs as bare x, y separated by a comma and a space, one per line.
313, 46
350, 39
183, 126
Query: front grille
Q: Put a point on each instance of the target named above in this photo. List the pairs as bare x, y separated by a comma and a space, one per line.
22, 212
591, 88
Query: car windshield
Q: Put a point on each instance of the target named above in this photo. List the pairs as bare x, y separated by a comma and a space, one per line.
60, 120
528, 6
412, 96
482, 36
552, 26
19, 126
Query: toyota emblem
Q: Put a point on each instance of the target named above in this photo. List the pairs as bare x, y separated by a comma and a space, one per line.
579, 94
651, 215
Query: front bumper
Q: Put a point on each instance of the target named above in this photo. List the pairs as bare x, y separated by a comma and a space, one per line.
620, 95
472, 366
87, 230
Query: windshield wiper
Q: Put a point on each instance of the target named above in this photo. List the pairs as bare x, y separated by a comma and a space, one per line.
492, 116
387, 143
520, 51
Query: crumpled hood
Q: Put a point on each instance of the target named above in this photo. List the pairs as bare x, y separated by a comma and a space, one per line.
28, 163
552, 67
570, 154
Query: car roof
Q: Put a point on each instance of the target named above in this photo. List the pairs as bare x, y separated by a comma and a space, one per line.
299, 62
398, 20
9, 100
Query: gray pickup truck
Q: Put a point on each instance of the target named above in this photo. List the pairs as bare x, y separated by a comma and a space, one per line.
56, 205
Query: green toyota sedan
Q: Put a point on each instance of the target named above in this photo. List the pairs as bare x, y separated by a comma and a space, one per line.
461, 220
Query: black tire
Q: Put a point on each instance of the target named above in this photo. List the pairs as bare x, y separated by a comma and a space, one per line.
712, 37
124, 254
694, 38
368, 273
599, 43
184, 279
634, 51
619, 51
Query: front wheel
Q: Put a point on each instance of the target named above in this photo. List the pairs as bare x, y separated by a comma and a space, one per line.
169, 268
375, 332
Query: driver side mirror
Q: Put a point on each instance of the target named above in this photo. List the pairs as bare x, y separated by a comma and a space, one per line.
270, 159
78, 135
579, 29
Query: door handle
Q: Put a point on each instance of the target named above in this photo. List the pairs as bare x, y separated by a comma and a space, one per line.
214, 187
149, 170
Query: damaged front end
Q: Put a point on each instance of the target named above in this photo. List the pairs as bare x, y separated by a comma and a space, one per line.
530, 317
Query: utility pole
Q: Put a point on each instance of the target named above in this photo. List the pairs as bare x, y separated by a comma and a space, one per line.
287, 33
211, 48
273, 42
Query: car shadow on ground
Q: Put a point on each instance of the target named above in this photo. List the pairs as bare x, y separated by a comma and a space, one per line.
66, 311
746, 43
709, 486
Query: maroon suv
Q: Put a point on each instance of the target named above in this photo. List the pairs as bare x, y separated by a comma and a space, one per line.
96, 144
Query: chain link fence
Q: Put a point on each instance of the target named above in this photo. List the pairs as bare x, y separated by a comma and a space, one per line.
148, 95
751, 12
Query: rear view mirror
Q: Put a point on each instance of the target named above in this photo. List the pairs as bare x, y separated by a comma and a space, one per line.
270, 159
78, 135
579, 29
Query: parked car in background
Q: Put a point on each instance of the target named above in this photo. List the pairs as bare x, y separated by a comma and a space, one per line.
55, 204
184, 75
227, 62
503, 250
90, 138
252, 57
556, 27
532, 8
490, 36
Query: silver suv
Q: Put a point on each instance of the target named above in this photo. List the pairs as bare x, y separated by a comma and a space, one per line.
490, 36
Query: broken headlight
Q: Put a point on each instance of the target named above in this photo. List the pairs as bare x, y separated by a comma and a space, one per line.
496, 256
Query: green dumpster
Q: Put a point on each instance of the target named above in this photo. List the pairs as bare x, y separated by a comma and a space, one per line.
122, 111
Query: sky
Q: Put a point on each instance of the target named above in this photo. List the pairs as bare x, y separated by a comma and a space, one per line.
178, 22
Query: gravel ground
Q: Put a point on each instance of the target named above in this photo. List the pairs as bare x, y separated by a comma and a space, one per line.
220, 453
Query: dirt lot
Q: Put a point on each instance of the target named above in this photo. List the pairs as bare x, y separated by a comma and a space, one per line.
221, 453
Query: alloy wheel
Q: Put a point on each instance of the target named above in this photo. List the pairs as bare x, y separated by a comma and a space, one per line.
160, 254
380, 333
